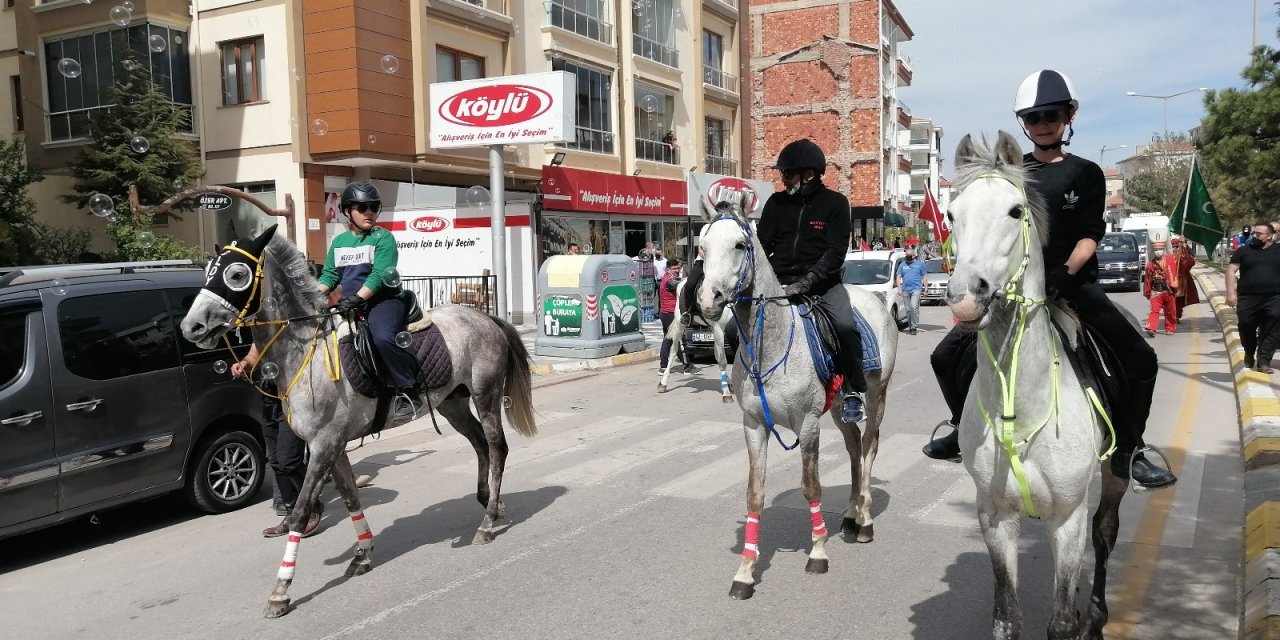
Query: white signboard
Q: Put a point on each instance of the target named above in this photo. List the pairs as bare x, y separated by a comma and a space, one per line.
708, 188
529, 108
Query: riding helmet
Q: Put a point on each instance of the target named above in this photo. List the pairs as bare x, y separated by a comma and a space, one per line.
1045, 91
360, 192
802, 154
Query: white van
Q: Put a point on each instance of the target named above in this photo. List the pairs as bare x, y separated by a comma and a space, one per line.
1140, 225
873, 271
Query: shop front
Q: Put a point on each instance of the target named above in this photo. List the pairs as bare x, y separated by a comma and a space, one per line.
609, 213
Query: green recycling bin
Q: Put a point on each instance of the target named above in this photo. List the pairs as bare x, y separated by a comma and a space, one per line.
588, 307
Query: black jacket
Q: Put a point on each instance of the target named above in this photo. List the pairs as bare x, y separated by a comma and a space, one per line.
806, 233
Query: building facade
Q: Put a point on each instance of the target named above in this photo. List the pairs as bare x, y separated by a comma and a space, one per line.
923, 145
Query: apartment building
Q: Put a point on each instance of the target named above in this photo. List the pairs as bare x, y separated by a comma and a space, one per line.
830, 70
301, 97
923, 144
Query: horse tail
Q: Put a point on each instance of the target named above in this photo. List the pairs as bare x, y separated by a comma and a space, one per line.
519, 382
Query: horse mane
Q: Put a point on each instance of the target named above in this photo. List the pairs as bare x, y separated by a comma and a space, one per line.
284, 265
985, 160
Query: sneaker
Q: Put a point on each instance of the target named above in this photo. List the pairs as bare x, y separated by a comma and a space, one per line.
689, 368
1151, 333
280, 508
851, 412
406, 407
662, 371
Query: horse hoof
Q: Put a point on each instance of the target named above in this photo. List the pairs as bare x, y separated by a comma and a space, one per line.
742, 590
276, 608
502, 511
662, 388
358, 568
849, 526
727, 399
482, 537
816, 565
866, 533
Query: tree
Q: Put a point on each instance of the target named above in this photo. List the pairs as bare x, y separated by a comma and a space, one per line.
134, 144
17, 210
1156, 188
1240, 143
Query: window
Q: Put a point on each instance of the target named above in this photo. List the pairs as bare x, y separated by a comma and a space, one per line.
13, 343
654, 36
583, 17
117, 334
15, 89
242, 219
655, 136
716, 147
72, 101
595, 124
455, 65
242, 71
713, 62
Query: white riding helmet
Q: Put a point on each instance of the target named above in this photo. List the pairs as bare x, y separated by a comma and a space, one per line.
1043, 91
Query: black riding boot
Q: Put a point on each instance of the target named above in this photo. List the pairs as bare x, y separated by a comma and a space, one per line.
945, 448
1129, 438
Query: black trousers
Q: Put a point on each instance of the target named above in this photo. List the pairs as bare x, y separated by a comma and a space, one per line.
690, 298
667, 318
1258, 317
955, 363
285, 451
836, 302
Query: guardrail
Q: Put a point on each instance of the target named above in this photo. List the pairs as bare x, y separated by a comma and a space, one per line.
472, 291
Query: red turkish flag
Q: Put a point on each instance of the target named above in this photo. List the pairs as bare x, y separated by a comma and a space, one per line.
930, 213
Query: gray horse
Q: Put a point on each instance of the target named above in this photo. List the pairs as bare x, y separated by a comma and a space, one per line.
735, 265
490, 367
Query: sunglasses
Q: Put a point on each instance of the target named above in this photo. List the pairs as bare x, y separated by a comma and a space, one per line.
788, 174
1052, 117
365, 208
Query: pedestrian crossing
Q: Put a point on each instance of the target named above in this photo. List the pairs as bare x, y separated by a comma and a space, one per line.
706, 460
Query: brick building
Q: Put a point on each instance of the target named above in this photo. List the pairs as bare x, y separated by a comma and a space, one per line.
830, 70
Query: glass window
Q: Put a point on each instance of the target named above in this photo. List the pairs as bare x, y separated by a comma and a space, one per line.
242, 71
454, 65
595, 122
712, 50
584, 17
117, 334
655, 134
15, 90
242, 219
654, 36
866, 271
13, 343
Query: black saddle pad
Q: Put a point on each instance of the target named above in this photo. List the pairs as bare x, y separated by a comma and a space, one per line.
435, 364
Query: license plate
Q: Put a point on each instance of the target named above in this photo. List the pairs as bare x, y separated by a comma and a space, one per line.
703, 337
1110, 281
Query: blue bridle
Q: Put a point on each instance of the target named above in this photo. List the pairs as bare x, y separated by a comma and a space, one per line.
753, 363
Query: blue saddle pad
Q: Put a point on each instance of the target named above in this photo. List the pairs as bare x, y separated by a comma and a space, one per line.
822, 359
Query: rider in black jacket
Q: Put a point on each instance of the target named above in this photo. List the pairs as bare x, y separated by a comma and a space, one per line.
805, 234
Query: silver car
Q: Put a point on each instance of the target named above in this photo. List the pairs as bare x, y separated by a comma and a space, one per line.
935, 289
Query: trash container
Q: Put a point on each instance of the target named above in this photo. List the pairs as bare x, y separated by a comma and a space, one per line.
588, 307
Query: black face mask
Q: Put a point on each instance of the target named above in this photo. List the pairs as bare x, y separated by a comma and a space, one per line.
910, 259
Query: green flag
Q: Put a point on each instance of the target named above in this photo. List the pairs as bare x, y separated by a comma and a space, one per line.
1195, 217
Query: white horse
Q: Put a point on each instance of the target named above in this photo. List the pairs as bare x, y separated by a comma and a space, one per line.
774, 377
676, 335
1029, 435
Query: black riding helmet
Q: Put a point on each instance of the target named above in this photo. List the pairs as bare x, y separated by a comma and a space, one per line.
802, 154
360, 193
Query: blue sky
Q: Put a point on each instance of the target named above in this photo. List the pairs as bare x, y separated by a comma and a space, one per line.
968, 57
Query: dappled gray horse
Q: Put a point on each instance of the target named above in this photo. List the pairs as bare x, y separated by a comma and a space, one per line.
738, 274
490, 366
1029, 435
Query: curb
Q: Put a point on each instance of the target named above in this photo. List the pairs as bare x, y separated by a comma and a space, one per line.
644, 355
1259, 412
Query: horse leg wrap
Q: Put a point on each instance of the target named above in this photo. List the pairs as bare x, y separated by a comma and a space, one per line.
290, 556
724, 379
815, 517
364, 537
751, 547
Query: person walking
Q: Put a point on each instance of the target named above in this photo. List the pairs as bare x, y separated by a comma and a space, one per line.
910, 281
1187, 293
1160, 286
1256, 297
667, 314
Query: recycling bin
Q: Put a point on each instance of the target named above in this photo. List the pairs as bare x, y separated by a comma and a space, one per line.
588, 307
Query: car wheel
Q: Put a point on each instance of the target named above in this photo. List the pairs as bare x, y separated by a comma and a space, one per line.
227, 473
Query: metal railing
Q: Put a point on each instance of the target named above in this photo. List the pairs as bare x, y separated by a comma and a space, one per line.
723, 166
570, 19
587, 139
472, 291
718, 78
657, 151
654, 50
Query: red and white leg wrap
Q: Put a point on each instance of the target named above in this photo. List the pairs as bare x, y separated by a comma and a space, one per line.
751, 547
364, 537
815, 517
290, 556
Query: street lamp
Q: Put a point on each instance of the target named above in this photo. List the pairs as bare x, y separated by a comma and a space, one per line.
1165, 100
1103, 154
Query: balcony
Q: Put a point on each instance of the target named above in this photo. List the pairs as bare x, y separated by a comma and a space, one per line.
657, 151
572, 20
726, 8
722, 166
904, 71
918, 168
656, 51
904, 116
719, 79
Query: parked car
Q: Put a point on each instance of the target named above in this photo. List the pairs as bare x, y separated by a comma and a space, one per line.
1119, 266
873, 271
936, 288
102, 402
700, 342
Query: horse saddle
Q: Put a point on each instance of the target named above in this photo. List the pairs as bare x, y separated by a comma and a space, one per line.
364, 368
824, 344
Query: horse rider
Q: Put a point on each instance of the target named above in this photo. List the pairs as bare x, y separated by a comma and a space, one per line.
1074, 191
805, 232
359, 259
692, 282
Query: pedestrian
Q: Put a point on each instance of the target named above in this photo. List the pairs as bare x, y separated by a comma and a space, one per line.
1160, 286
910, 281
1073, 190
285, 453
659, 260
1256, 296
1187, 292
574, 249
667, 314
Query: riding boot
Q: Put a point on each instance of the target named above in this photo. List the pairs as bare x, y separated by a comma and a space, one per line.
945, 448
1129, 438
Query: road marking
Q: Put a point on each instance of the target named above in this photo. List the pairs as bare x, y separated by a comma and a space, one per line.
1127, 604
568, 441
670, 439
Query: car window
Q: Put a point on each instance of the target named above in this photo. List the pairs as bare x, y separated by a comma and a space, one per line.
117, 334
867, 271
180, 301
1117, 244
934, 266
13, 344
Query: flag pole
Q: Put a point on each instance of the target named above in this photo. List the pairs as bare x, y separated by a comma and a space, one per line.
1186, 197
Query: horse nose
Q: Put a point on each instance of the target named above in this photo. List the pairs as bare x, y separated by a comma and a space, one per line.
193, 328
718, 298
983, 288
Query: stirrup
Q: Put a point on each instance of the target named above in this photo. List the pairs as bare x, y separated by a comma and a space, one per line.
403, 396
1137, 487
933, 435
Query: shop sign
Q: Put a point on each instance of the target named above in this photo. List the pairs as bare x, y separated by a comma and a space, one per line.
565, 189
520, 109
706, 189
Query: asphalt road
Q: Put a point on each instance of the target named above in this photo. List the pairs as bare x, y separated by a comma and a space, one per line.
625, 519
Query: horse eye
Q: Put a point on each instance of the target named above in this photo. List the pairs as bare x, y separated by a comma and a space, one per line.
740, 246
237, 276
1016, 212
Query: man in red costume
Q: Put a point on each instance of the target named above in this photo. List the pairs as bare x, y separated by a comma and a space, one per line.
1160, 286
1187, 293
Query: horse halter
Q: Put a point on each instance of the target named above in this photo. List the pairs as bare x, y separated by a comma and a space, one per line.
240, 287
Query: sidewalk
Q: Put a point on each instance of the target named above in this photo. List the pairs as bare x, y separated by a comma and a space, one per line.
553, 365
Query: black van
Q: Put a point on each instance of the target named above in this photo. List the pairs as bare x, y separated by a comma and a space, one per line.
1118, 263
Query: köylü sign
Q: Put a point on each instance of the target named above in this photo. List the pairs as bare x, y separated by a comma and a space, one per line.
530, 108
214, 201
567, 189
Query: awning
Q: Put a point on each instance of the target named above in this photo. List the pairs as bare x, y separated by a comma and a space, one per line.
894, 219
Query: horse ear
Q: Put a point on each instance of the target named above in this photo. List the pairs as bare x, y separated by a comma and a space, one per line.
745, 198
1007, 149
707, 209
965, 151
217, 248
265, 237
